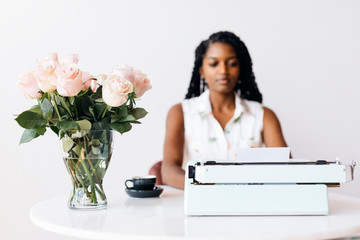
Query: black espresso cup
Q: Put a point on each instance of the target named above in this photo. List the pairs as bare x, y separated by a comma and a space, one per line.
142, 182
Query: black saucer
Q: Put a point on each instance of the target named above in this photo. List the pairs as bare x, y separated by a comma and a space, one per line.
144, 193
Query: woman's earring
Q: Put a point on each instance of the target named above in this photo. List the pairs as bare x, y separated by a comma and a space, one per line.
202, 84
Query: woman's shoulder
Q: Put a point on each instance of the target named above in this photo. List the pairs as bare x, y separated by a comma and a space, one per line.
269, 115
175, 117
175, 110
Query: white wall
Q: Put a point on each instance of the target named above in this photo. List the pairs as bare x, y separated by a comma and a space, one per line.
306, 58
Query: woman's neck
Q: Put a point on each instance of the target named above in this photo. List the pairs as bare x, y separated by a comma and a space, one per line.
221, 102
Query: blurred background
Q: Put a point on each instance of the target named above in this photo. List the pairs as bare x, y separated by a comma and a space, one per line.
306, 57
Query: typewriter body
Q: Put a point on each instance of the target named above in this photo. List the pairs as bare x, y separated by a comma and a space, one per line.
262, 188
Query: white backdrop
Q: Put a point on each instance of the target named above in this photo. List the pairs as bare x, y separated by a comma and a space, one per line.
306, 57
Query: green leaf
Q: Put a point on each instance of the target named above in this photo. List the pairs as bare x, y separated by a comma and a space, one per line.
139, 113
91, 110
97, 96
135, 122
30, 120
128, 118
96, 142
62, 111
36, 109
114, 118
67, 144
72, 100
41, 131
83, 104
99, 110
61, 134
102, 125
47, 109
66, 125
77, 150
95, 150
57, 100
99, 100
122, 112
54, 118
28, 135
55, 130
84, 125
121, 127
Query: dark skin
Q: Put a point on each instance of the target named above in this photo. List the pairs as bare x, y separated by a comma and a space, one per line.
221, 69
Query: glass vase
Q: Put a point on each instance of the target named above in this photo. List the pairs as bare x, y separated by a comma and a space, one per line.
87, 155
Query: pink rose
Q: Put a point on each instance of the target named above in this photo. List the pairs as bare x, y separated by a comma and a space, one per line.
141, 84
136, 77
69, 81
125, 72
45, 72
28, 85
101, 78
89, 82
115, 90
94, 85
69, 59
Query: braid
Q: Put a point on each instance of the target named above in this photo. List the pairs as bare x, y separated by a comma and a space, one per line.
195, 83
246, 86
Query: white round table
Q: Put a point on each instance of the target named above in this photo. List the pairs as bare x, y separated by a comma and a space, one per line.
163, 218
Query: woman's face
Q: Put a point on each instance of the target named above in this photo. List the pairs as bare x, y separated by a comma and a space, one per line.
220, 68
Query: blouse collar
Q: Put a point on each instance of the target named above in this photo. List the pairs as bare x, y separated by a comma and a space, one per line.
204, 104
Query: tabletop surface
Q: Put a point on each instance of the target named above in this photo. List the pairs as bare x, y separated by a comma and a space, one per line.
163, 218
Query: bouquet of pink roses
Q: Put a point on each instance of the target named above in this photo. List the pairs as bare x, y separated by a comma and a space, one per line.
72, 99
81, 110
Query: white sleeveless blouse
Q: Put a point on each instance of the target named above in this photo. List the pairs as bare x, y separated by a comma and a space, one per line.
206, 140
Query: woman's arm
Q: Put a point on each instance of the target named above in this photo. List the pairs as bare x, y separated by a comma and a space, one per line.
171, 171
272, 133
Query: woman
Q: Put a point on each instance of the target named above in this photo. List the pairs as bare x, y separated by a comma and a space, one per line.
222, 110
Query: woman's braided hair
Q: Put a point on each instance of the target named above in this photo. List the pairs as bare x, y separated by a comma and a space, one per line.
246, 86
